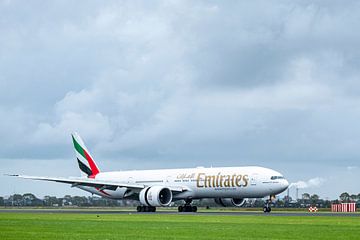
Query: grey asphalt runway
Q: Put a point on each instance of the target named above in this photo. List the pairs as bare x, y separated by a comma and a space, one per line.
233, 213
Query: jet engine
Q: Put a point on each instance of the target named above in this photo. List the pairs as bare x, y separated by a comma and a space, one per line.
155, 196
230, 202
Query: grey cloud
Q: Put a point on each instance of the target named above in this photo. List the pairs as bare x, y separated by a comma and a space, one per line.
194, 82
243, 54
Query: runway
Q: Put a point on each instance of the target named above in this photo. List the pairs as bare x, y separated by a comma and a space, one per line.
200, 213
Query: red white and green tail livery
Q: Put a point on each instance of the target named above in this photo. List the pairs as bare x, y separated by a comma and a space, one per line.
228, 186
86, 162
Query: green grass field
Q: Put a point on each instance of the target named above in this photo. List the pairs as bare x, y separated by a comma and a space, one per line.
157, 226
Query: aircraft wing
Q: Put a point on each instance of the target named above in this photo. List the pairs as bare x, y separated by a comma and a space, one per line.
94, 183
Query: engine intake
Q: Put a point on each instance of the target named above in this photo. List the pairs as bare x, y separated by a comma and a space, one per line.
156, 196
230, 202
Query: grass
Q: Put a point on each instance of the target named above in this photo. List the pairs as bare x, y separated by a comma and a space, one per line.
177, 226
200, 209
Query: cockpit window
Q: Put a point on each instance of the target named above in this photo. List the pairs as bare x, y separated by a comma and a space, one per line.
277, 177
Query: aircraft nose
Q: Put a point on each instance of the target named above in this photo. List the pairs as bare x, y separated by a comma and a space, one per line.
285, 184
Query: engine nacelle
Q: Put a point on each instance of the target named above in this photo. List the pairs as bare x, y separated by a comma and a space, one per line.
230, 202
155, 196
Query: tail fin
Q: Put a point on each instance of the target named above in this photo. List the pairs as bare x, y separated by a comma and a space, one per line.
86, 163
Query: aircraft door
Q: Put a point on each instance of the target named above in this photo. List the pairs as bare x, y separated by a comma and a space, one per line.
168, 180
253, 179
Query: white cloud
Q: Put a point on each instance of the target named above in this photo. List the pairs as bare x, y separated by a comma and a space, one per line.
311, 183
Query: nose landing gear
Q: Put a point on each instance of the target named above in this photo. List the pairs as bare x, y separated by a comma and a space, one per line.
267, 208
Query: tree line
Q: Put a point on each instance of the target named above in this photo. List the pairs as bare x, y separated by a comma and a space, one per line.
30, 200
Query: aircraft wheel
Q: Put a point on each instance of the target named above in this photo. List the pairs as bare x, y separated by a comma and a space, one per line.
194, 208
180, 208
188, 208
138, 208
267, 209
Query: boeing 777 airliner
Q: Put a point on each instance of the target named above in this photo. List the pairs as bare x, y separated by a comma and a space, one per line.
229, 186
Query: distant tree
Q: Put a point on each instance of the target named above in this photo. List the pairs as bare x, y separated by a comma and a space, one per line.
353, 197
327, 204
344, 196
30, 199
306, 196
68, 197
80, 201
314, 198
279, 203
17, 197
50, 201
29, 196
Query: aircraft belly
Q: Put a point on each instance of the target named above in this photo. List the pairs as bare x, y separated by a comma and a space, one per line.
229, 192
220, 192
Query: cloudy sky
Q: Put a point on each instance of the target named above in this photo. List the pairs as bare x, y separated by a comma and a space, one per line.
166, 84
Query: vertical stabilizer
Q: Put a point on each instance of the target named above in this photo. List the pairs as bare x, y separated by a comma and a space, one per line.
86, 162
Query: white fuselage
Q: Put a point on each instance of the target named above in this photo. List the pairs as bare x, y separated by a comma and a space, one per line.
224, 182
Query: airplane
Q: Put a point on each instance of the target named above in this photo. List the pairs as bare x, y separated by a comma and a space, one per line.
228, 186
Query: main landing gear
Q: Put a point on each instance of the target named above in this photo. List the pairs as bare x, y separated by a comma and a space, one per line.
187, 207
146, 209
